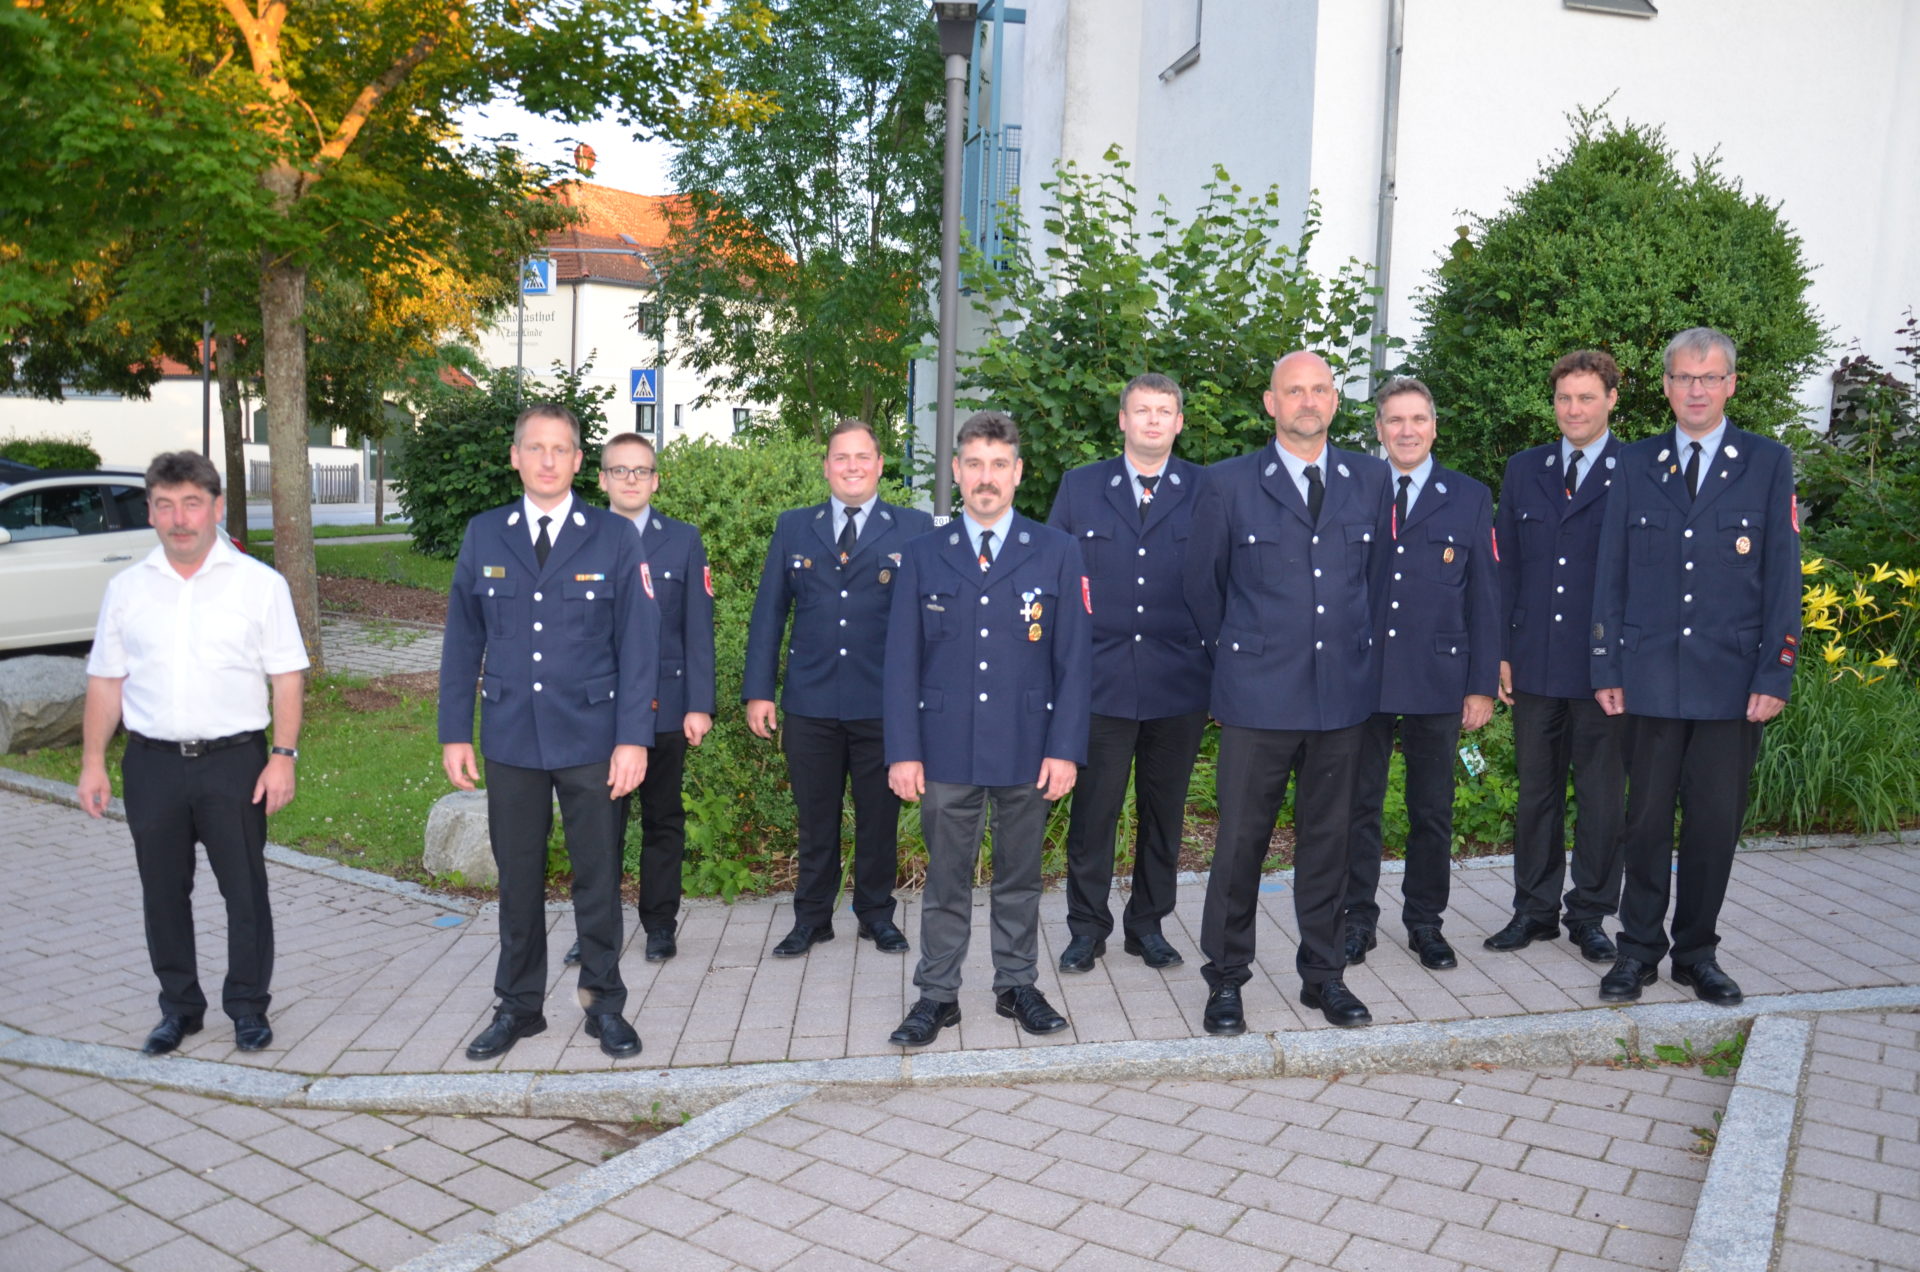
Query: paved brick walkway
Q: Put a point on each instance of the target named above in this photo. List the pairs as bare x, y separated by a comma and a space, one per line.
1854, 1199
363, 648
102, 1174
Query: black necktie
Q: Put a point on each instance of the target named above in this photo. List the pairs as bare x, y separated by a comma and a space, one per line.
1400, 505
986, 550
1573, 474
543, 544
1693, 470
1146, 493
1316, 493
848, 533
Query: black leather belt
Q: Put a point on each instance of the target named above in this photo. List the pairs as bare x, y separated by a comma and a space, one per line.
195, 749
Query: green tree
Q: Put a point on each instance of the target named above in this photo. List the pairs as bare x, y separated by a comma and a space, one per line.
1860, 480
800, 253
276, 139
1211, 301
1611, 247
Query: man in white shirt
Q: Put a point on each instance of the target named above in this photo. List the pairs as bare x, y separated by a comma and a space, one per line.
187, 644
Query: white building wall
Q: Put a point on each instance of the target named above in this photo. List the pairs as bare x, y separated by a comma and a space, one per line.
574, 323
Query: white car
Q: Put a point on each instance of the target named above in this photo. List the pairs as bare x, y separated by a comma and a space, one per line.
62, 536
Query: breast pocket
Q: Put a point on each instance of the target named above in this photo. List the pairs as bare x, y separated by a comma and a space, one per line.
1739, 537
1096, 550
1446, 559
940, 615
589, 609
496, 605
1644, 532
1261, 547
1038, 611
1536, 536
1359, 551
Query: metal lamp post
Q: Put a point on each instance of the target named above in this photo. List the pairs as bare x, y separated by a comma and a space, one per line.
956, 20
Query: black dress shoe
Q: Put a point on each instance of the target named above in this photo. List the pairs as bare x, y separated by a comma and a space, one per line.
1435, 954
1224, 1014
1592, 942
661, 946
1337, 1003
167, 1034
498, 1038
1519, 933
886, 938
1623, 983
1153, 950
1080, 953
1030, 1008
1710, 984
1359, 941
252, 1033
616, 1036
573, 953
925, 1019
802, 939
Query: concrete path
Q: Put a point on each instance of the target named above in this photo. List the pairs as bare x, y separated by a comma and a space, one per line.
1471, 1128
382, 647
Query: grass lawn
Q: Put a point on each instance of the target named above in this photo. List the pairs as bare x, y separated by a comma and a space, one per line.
369, 774
336, 532
382, 562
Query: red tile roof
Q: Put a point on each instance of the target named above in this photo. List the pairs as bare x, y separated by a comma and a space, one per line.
610, 213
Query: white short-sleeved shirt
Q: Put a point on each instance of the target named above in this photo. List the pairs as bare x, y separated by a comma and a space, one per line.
195, 652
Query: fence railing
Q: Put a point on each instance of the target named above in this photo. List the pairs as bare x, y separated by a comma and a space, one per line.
332, 483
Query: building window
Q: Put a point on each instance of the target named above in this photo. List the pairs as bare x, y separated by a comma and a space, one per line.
646, 318
742, 420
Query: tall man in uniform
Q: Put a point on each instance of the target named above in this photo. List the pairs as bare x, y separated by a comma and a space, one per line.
188, 643
1130, 516
1439, 670
1552, 501
1696, 625
548, 598
987, 681
834, 567
1287, 545
673, 565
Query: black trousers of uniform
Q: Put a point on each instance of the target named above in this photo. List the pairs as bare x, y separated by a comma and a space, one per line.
1427, 743
1551, 735
822, 755
1704, 767
1159, 755
663, 832
173, 803
1251, 782
519, 819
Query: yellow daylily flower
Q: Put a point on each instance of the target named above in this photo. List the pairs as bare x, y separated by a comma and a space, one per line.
1881, 572
1909, 579
1813, 565
1834, 653
1885, 660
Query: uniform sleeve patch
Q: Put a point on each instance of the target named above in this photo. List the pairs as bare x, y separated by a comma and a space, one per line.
1494, 537
708, 571
1086, 594
1793, 512
646, 579
1786, 658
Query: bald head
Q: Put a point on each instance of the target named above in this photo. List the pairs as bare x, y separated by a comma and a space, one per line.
1301, 400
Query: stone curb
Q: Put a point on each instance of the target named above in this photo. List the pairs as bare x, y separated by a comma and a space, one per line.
1738, 1214
1582, 1037
526, 1223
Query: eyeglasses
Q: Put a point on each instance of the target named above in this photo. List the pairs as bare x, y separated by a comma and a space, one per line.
1707, 382
620, 472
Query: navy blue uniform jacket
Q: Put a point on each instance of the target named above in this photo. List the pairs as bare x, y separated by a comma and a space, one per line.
675, 559
570, 649
1549, 545
1697, 605
1287, 607
1442, 615
988, 673
839, 611
1148, 660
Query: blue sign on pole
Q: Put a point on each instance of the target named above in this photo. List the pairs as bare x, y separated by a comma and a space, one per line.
536, 276
643, 385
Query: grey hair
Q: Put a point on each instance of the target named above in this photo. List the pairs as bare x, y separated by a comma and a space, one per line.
1699, 341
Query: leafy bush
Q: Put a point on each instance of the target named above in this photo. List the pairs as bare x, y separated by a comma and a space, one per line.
1211, 302
1611, 247
1860, 480
455, 467
50, 452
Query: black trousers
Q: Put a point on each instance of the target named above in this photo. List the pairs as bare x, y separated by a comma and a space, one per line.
1704, 768
822, 756
1551, 736
1427, 743
519, 819
1254, 767
663, 832
1159, 755
172, 804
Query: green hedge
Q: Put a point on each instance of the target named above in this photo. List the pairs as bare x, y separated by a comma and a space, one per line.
50, 452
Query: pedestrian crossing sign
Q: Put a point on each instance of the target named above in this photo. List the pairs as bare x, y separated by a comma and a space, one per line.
644, 385
536, 276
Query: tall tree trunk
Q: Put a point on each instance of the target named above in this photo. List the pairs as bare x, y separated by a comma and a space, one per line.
380, 481
283, 306
231, 421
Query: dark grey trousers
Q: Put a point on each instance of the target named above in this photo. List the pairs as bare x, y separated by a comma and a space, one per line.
952, 817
